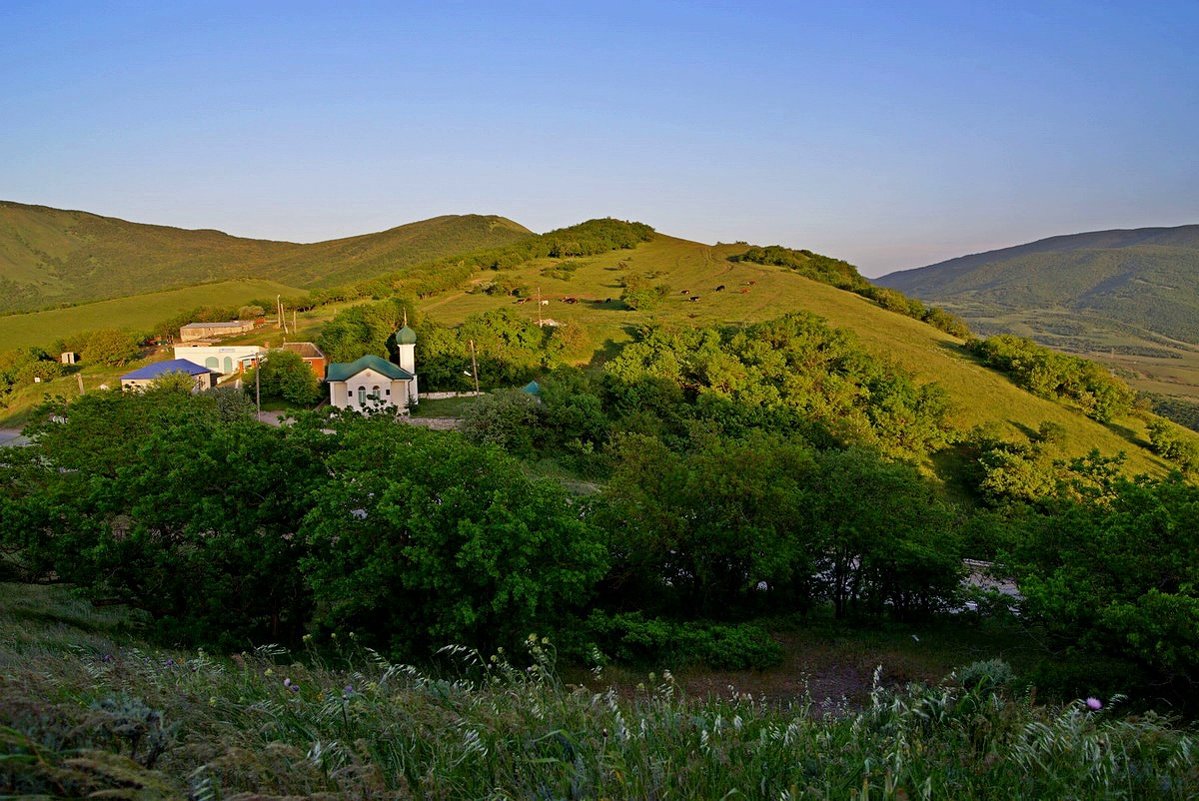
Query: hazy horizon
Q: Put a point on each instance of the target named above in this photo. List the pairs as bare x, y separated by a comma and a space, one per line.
893, 137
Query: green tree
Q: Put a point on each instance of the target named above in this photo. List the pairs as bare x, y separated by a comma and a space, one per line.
886, 541
284, 376
110, 346
421, 539
186, 516
509, 418
1117, 572
719, 529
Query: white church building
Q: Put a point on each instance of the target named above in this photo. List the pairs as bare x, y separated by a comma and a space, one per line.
372, 382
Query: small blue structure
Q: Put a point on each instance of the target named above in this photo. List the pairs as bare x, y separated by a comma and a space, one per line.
533, 388
145, 376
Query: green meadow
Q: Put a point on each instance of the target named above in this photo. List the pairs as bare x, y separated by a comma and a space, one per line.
138, 313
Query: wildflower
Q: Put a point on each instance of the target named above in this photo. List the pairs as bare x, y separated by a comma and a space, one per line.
307, 638
1094, 704
291, 685
269, 672
212, 700
347, 691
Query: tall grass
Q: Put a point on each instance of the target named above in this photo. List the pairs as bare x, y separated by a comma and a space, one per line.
138, 722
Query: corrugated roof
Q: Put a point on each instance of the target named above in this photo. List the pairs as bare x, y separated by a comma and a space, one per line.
233, 324
159, 369
341, 371
304, 349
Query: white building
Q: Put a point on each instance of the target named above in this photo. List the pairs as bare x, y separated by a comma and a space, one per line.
224, 359
372, 382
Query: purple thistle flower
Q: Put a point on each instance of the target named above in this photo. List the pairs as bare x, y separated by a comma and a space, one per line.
1094, 704
348, 690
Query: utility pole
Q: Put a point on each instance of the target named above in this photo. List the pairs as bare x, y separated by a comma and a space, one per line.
539, 323
293, 320
474, 366
258, 385
79, 378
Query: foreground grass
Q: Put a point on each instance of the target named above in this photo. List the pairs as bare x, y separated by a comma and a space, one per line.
82, 711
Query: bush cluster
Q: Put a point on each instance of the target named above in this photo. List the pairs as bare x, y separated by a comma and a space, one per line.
1055, 375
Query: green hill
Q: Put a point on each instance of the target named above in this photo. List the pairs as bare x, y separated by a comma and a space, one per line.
754, 292
1128, 298
51, 257
1143, 278
587, 289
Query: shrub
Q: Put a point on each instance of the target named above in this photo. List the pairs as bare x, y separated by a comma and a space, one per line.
109, 346
992, 674
420, 539
508, 418
632, 638
284, 376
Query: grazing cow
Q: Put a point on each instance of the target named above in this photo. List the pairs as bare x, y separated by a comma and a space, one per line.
745, 291
720, 288
684, 291
693, 298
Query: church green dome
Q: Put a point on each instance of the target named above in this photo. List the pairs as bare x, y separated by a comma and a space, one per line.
405, 336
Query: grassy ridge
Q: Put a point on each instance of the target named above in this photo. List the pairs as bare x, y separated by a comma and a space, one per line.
51, 257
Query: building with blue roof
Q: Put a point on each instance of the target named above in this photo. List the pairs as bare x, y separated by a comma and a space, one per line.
143, 377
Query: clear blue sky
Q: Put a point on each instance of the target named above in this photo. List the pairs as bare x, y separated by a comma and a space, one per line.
891, 134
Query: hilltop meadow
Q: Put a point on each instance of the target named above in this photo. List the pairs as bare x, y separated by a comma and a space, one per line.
764, 529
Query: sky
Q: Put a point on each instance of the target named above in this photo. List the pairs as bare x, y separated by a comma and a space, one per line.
889, 134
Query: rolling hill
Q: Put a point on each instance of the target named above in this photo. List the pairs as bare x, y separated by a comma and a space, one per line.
588, 293
1127, 297
1143, 278
756, 292
51, 257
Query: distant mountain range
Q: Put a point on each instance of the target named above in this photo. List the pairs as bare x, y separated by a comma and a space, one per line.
1146, 279
51, 257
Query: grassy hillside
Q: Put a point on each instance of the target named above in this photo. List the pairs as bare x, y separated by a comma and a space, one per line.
1127, 275
342, 261
1127, 298
755, 292
751, 293
52, 257
137, 313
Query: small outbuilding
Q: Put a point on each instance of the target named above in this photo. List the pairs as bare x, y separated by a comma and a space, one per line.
196, 332
144, 377
313, 356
